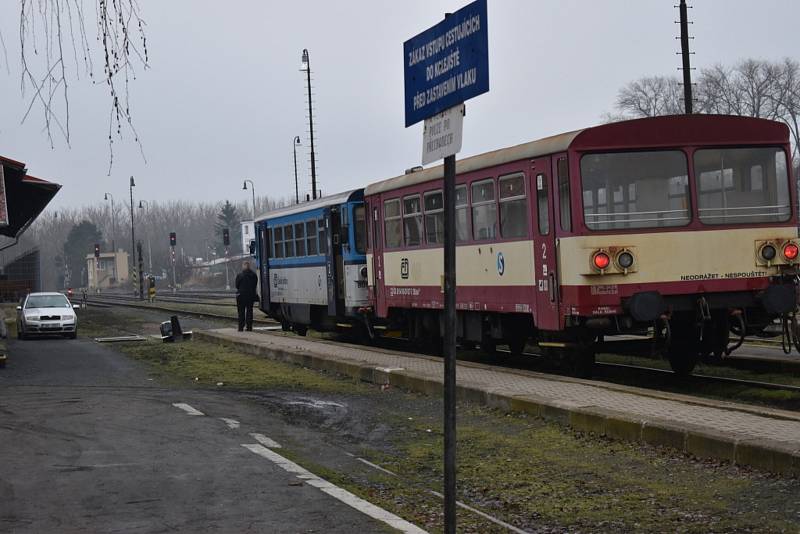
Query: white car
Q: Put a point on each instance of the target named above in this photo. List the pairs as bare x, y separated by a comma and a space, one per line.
46, 313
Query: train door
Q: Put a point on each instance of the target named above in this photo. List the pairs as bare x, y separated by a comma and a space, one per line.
265, 244
377, 257
544, 246
333, 262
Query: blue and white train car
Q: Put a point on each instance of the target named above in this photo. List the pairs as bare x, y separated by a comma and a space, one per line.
312, 262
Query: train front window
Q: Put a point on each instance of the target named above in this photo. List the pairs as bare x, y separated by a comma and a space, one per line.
742, 185
635, 190
360, 218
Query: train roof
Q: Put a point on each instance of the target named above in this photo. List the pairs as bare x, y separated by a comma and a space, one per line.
651, 132
532, 149
324, 202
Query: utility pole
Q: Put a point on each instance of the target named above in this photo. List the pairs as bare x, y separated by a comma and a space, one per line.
307, 68
687, 69
133, 238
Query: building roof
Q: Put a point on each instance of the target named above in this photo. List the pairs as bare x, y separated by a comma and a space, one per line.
26, 196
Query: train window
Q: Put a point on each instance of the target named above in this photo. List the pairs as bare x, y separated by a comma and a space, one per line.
278, 243
360, 221
542, 204
412, 221
484, 210
300, 239
635, 190
323, 237
434, 217
393, 224
513, 206
311, 238
288, 244
462, 214
565, 209
267, 234
742, 185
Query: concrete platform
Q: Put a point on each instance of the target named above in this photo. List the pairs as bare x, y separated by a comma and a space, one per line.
764, 438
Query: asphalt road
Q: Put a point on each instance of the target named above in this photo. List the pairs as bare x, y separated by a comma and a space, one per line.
89, 444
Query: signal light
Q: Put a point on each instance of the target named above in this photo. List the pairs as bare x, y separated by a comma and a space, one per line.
226, 237
96, 250
768, 252
625, 259
601, 260
173, 240
790, 251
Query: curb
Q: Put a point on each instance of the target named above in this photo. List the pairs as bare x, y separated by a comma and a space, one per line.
763, 454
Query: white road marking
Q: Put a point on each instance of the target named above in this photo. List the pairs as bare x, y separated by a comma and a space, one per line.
376, 466
336, 492
265, 441
186, 408
233, 424
486, 516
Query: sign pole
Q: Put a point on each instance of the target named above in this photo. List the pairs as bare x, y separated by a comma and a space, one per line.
450, 344
446, 65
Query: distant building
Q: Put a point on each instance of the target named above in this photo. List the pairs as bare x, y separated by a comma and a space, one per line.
110, 269
248, 234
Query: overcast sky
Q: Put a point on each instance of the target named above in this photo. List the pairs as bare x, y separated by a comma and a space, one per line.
224, 97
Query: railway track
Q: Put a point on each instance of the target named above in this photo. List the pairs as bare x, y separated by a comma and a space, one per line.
631, 374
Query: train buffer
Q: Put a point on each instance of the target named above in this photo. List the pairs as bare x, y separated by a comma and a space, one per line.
764, 438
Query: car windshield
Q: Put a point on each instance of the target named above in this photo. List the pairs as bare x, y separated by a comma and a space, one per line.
47, 301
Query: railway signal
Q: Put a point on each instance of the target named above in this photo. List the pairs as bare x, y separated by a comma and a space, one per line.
173, 240
97, 250
444, 66
226, 237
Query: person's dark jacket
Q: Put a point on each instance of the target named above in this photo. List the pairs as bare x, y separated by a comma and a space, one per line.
246, 282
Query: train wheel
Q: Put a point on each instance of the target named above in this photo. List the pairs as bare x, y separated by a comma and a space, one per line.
683, 354
517, 346
300, 329
286, 327
580, 360
489, 347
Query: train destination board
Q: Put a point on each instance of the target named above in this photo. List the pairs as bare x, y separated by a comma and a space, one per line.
447, 63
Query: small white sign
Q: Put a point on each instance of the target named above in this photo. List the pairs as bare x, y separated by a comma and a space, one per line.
442, 134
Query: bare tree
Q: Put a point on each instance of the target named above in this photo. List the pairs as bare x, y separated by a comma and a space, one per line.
752, 88
54, 40
650, 97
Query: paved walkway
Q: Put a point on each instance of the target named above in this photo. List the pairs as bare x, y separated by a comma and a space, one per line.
728, 423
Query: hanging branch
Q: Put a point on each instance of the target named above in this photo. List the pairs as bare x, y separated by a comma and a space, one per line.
51, 30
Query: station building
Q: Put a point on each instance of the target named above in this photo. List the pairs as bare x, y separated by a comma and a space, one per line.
109, 270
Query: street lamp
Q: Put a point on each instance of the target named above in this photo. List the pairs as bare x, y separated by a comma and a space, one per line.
295, 144
252, 190
113, 234
142, 204
306, 67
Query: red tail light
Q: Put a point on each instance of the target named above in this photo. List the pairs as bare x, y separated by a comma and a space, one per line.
601, 260
790, 251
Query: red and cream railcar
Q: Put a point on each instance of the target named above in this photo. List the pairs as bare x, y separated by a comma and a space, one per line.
684, 223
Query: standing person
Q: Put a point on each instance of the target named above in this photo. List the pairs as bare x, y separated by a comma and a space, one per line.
246, 282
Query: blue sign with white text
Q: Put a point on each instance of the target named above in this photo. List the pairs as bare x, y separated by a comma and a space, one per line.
447, 64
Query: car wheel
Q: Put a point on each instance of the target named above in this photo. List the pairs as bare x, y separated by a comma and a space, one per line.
21, 335
73, 335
